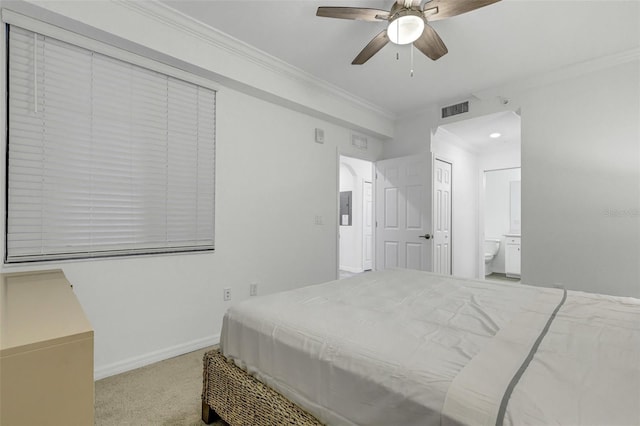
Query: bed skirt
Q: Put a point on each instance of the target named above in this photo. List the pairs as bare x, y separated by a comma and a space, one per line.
228, 392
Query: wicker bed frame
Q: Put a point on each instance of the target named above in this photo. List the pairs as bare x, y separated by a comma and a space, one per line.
231, 394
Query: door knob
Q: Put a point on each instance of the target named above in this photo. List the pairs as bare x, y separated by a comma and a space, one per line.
426, 236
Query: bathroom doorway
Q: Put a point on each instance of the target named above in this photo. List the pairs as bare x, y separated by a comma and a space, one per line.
475, 145
502, 224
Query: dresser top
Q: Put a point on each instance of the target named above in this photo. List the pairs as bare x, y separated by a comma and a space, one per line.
37, 309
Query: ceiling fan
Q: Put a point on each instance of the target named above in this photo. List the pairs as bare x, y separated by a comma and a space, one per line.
408, 23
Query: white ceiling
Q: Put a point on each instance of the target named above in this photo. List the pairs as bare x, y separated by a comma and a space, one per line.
504, 42
475, 131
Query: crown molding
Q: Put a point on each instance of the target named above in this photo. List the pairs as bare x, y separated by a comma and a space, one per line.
560, 74
177, 20
516, 87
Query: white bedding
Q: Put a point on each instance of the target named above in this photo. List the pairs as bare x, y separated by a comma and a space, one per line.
587, 369
384, 348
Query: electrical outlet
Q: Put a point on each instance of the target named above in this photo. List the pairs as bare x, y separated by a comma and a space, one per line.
226, 294
253, 289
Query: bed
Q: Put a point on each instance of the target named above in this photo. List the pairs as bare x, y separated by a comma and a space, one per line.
402, 347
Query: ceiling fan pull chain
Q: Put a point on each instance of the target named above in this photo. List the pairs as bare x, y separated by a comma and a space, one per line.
411, 47
35, 73
397, 56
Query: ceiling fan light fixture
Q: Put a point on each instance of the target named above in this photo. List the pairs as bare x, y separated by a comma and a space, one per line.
405, 27
407, 24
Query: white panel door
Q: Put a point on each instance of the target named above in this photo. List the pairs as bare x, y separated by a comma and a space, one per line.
442, 217
402, 213
367, 226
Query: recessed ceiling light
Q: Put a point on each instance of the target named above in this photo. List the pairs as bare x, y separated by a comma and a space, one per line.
495, 135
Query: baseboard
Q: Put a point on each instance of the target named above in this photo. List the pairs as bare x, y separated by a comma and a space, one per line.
350, 269
151, 357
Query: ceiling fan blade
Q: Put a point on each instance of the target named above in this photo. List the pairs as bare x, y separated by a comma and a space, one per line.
356, 13
372, 48
431, 44
435, 10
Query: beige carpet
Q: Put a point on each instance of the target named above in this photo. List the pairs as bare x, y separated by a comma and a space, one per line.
166, 393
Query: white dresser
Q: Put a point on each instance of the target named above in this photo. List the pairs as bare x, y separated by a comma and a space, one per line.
46, 352
512, 255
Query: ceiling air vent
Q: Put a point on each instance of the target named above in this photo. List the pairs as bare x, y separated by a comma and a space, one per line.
455, 109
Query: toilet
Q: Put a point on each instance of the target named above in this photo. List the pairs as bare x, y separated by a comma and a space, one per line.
491, 247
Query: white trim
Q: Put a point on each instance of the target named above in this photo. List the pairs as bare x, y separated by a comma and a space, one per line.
155, 356
436, 156
561, 74
168, 16
31, 24
481, 223
351, 269
364, 183
337, 213
512, 88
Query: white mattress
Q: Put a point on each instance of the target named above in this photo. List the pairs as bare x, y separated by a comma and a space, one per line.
390, 348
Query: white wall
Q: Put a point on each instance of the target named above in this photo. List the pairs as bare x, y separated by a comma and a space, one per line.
505, 158
272, 180
413, 134
580, 162
497, 209
353, 173
464, 196
580, 172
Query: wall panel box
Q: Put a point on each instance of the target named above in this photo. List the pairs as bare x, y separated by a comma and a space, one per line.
46, 352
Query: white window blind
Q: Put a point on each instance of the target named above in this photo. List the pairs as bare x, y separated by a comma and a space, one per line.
105, 157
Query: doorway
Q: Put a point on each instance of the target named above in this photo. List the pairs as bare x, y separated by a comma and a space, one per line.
355, 218
502, 224
472, 146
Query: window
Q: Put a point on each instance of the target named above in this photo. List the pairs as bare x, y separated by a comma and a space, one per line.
104, 157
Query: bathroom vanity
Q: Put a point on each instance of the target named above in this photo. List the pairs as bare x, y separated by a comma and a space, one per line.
512, 255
